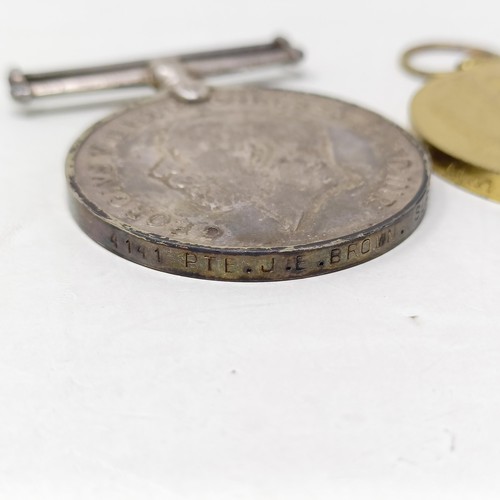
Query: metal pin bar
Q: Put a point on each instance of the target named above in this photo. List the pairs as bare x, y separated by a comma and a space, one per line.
25, 87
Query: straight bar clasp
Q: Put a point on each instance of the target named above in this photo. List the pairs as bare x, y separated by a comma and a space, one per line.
182, 75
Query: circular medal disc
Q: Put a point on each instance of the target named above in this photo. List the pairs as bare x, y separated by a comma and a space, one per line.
251, 185
459, 114
474, 179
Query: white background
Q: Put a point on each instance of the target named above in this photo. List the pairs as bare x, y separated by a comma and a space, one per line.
120, 382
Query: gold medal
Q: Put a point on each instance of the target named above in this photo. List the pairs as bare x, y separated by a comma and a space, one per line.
458, 115
459, 112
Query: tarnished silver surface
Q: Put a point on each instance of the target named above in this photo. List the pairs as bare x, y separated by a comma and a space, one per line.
252, 184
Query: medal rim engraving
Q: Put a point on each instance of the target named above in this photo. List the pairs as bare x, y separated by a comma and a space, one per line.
475, 180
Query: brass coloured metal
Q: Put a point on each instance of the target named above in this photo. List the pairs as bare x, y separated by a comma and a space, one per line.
459, 114
474, 179
466, 51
